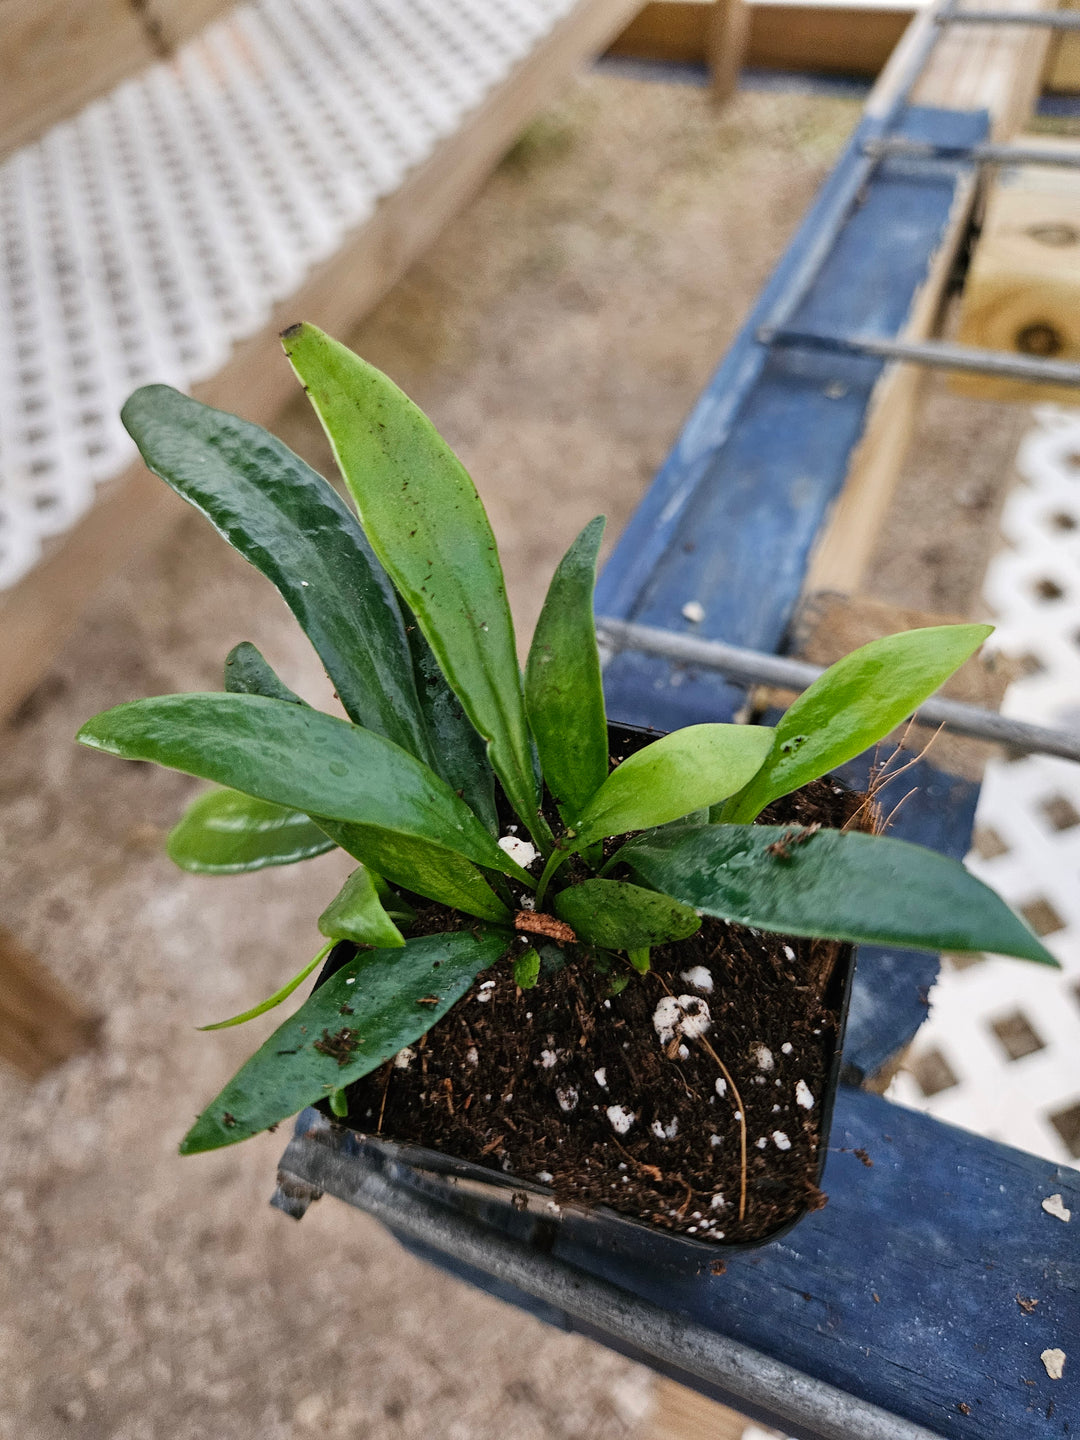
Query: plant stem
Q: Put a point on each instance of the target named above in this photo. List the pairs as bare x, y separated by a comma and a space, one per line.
555, 859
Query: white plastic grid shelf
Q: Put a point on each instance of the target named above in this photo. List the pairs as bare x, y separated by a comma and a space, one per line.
143, 239
1000, 1053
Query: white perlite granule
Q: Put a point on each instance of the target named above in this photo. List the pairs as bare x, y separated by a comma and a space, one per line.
716, 1203
1054, 1205
721, 1086
472, 1055
520, 851
545, 1177
694, 611
684, 1015
780, 1140
715, 1140
548, 1058
404, 1058
567, 1098
699, 978
665, 1132
764, 1057
1054, 1363
621, 1119
600, 1076
786, 1048
803, 1096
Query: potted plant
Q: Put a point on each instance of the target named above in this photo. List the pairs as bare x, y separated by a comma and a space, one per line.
603, 964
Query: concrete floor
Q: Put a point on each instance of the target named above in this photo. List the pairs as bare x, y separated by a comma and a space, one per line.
558, 334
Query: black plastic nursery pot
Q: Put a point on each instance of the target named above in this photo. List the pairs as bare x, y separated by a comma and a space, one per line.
441, 1114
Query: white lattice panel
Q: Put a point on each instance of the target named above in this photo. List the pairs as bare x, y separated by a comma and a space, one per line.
1000, 1052
141, 240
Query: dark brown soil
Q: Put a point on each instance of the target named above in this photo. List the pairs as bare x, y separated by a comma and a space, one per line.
526, 1082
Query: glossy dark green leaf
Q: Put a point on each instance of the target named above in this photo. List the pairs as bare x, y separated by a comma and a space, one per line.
427, 525
684, 771
564, 693
852, 706
356, 913
845, 886
375, 1005
248, 673
292, 525
224, 832
421, 867
272, 1001
460, 752
620, 916
298, 757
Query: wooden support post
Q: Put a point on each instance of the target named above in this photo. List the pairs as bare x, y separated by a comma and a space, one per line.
728, 33
41, 1023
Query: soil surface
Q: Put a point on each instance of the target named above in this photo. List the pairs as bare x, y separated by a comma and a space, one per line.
610, 1095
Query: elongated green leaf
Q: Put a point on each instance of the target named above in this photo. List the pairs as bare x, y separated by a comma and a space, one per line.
460, 752
621, 916
842, 886
421, 867
224, 833
344, 1030
564, 694
527, 970
298, 757
684, 771
272, 1001
852, 706
248, 673
292, 525
356, 913
427, 525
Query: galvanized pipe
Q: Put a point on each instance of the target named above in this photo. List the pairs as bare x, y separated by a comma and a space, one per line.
1043, 19
889, 146
787, 1396
753, 667
935, 354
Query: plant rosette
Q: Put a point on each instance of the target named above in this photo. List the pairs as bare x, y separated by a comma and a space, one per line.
619, 977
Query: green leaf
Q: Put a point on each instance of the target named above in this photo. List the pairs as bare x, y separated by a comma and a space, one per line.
621, 916
421, 867
427, 525
274, 1000
640, 959
344, 1030
460, 752
845, 886
292, 525
852, 706
527, 970
248, 673
564, 694
356, 913
224, 833
684, 771
299, 757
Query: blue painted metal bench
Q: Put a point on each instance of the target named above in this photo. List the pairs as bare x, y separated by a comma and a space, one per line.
893, 1312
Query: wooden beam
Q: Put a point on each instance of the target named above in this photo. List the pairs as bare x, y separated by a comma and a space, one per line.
134, 511
827, 39
972, 68
58, 55
41, 1024
682, 1414
1022, 291
727, 39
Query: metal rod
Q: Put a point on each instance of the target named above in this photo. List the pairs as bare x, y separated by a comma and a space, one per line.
936, 354
1044, 19
770, 1386
753, 667
889, 146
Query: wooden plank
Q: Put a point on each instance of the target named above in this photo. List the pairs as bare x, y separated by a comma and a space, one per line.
41, 1023
134, 511
902, 1292
972, 68
682, 1414
57, 55
1063, 62
835, 39
1022, 291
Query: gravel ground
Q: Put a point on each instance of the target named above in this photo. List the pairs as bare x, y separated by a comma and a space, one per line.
558, 334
